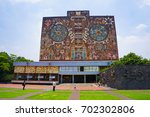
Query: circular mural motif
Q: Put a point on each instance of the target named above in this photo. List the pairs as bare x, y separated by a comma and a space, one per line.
98, 32
58, 32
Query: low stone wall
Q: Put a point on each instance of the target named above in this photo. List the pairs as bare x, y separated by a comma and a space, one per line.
127, 77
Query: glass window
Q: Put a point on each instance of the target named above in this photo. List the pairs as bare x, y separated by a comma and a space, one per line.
68, 68
81, 68
29, 76
52, 77
40, 76
89, 68
19, 76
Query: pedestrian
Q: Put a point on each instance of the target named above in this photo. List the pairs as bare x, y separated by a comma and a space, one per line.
24, 84
74, 87
99, 84
54, 86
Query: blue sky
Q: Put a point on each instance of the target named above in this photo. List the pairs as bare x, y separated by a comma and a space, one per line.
21, 21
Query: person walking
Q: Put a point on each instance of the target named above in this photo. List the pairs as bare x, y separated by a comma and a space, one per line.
74, 87
24, 84
54, 86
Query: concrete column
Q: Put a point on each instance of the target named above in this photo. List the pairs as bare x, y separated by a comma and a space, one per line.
72, 78
58, 77
96, 78
38, 77
61, 78
49, 77
28, 77
17, 76
84, 78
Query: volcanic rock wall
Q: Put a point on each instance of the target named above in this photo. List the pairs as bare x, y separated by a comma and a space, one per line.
127, 77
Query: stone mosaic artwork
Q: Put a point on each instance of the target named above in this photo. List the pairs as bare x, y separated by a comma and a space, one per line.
30, 69
19, 69
78, 37
36, 69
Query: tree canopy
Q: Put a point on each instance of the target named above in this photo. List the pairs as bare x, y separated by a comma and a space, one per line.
132, 59
6, 64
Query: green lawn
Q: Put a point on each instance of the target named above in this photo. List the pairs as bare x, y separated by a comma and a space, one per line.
4, 89
65, 95
135, 94
96, 95
50, 95
13, 93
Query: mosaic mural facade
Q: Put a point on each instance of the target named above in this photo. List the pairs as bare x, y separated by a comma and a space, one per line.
36, 69
19, 69
78, 37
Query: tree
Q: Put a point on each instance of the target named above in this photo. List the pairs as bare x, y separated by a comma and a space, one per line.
4, 62
132, 59
6, 65
22, 59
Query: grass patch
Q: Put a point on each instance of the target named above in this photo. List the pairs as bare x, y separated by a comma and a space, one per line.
96, 95
135, 94
13, 93
50, 95
4, 89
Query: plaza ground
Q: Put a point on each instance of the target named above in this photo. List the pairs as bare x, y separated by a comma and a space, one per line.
69, 92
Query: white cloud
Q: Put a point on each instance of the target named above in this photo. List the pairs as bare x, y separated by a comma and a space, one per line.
134, 43
24, 1
146, 2
143, 3
141, 27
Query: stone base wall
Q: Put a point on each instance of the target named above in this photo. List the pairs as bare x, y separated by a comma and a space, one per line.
127, 77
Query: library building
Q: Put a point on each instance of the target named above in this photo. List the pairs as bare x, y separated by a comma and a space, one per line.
73, 49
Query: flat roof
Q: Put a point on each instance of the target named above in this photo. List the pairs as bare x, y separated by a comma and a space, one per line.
78, 73
64, 63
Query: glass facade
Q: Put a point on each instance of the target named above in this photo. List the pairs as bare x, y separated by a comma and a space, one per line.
19, 76
40, 76
29, 76
69, 69
51, 77
78, 69
91, 68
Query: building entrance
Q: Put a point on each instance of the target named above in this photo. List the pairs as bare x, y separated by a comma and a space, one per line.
79, 79
67, 79
90, 78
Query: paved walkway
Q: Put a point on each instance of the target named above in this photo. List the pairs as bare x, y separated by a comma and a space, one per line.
24, 97
75, 95
90, 86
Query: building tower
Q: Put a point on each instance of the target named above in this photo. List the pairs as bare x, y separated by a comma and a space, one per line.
73, 49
